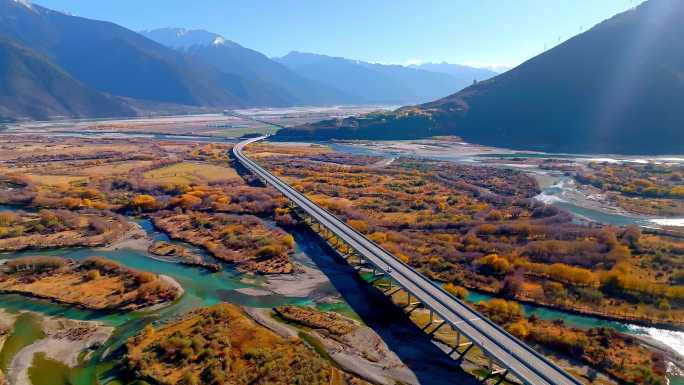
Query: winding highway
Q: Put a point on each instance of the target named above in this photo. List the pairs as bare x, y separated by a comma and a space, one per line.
519, 359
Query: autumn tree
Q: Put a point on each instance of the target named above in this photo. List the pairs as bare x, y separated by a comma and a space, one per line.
457, 291
143, 202
493, 264
186, 201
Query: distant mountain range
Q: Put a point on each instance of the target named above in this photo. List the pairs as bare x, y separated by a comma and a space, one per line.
466, 75
318, 79
287, 87
123, 71
380, 83
617, 88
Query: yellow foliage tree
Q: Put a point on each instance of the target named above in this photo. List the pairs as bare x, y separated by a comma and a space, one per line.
360, 226
457, 291
144, 202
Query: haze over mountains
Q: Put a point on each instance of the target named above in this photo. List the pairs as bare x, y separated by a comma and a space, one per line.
287, 87
617, 88
464, 74
381, 83
320, 79
65, 57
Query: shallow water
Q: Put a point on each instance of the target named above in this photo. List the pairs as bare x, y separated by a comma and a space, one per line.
202, 289
673, 339
26, 331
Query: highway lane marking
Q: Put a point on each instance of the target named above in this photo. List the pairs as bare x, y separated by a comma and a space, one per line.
465, 321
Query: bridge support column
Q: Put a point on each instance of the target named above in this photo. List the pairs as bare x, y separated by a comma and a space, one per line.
416, 306
376, 277
462, 355
502, 377
393, 292
432, 333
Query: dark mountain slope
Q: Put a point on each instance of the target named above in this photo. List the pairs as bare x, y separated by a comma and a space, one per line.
232, 58
374, 83
113, 59
617, 88
31, 86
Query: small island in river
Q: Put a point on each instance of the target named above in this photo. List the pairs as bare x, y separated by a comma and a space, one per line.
95, 283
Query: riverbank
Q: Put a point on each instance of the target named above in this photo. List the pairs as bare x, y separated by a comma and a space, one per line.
65, 340
136, 238
558, 188
586, 312
303, 282
672, 356
354, 347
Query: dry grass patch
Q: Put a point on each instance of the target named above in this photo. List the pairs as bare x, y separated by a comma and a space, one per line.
56, 180
115, 168
315, 319
244, 240
260, 150
186, 173
222, 345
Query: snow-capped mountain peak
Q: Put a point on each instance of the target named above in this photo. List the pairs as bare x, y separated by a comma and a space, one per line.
219, 40
183, 39
25, 3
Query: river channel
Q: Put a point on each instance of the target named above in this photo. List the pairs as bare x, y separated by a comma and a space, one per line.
342, 293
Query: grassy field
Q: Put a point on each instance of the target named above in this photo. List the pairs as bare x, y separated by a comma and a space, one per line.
184, 173
115, 168
261, 150
56, 180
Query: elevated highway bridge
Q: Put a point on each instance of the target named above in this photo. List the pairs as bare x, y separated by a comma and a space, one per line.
512, 355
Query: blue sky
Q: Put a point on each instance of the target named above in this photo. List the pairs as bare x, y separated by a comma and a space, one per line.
476, 32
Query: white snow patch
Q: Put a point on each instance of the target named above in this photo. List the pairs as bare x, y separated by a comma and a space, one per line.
25, 3
219, 40
675, 222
